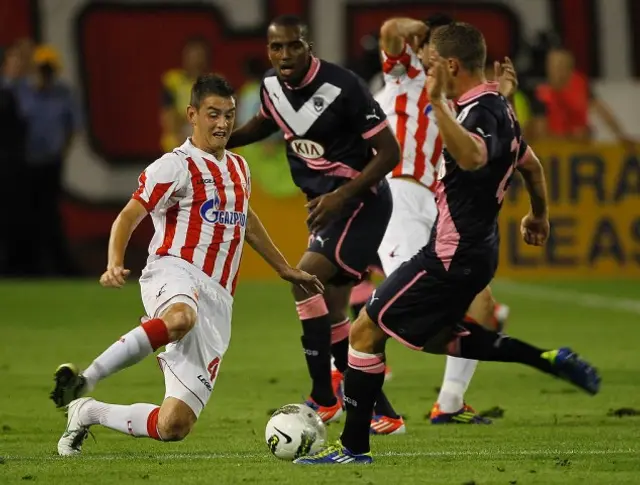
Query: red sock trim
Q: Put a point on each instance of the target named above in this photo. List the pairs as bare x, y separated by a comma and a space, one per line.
157, 332
152, 424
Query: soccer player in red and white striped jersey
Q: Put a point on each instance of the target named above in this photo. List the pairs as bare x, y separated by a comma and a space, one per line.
405, 101
198, 198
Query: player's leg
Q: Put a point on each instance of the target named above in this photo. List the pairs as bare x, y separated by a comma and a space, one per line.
475, 342
393, 310
360, 294
139, 419
317, 335
339, 254
190, 368
128, 350
450, 406
385, 419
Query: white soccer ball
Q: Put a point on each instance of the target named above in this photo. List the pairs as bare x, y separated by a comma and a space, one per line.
295, 430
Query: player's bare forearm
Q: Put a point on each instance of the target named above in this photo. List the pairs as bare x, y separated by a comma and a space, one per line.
384, 161
396, 31
461, 145
121, 231
533, 174
258, 238
256, 129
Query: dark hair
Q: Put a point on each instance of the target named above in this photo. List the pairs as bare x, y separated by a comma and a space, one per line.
210, 85
291, 21
462, 41
434, 21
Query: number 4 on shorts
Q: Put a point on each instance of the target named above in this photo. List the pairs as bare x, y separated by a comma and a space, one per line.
212, 368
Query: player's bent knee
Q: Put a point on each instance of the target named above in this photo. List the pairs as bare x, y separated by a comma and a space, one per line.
180, 319
175, 420
365, 335
482, 307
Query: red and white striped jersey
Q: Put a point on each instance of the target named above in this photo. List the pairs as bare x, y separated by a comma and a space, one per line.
404, 99
199, 206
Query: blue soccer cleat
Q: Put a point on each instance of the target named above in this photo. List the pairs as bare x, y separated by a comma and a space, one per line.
335, 454
569, 366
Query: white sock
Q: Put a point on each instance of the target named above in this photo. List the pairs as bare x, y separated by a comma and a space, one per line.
128, 350
135, 419
457, 376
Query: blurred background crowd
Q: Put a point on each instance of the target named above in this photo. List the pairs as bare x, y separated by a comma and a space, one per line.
45, 104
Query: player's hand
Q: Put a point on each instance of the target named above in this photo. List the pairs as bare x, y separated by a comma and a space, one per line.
437, 77
505, 75
307, 282
114, 277
323, 208
534, 230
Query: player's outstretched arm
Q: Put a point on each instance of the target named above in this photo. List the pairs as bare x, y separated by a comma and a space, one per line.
258, 238
257, 128
384, 161
535, 225
533, 174
396, 31
466, 149
121, 231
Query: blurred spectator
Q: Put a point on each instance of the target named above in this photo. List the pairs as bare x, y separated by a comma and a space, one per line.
13, 238
17, 64
563, 103
266, 158
52, 118
176, 91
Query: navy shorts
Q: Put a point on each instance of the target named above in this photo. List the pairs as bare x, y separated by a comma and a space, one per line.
422, 297
351, 240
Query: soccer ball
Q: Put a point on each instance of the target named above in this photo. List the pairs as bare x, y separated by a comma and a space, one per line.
295, 430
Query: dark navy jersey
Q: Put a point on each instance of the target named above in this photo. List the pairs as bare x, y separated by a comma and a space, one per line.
469, 201
327, 122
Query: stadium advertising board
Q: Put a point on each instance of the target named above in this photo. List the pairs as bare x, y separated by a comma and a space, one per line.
594, 194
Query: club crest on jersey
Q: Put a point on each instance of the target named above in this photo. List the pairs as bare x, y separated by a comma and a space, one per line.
211, 213
318, 103
307, 148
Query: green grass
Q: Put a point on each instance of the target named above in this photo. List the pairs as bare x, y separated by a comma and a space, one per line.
550, 433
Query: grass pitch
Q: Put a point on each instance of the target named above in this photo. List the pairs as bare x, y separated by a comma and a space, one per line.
550, 433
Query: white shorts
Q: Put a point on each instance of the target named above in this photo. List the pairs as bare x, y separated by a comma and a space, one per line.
414, 213
191, 364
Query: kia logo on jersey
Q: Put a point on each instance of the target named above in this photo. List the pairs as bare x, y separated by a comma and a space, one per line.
307, 148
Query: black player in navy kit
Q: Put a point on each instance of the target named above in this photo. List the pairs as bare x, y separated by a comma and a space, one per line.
422, 304
339, 148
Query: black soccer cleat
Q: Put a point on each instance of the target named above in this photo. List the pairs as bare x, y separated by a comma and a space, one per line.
69, 385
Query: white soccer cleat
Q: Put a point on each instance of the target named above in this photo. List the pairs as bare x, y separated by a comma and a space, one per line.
70, 443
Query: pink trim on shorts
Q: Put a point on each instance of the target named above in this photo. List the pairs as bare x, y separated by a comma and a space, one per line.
361, 292
389, 303
313, 307
340, 331
341, 240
